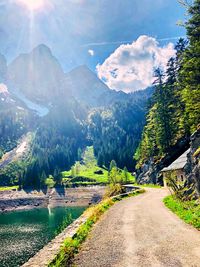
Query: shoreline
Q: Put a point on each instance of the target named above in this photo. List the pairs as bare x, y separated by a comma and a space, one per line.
11, 201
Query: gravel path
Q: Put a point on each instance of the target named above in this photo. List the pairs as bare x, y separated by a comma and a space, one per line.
141, 231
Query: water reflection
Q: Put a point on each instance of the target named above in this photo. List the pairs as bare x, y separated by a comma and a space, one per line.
49, 210
23, 233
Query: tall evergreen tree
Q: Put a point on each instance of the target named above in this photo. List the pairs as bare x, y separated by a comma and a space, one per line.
175, 110
190, 73
113, 164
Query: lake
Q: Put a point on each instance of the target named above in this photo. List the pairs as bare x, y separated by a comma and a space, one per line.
23, 233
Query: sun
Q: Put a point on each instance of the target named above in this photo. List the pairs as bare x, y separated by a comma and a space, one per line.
32, 5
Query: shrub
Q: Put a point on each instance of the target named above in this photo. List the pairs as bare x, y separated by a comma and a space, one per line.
114, 189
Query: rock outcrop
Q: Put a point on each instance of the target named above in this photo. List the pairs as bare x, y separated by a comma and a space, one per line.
37, 75
82, 196
3, 69
150, 171
193, 166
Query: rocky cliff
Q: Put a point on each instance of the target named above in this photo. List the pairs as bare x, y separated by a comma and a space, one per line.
193, 165
150, 171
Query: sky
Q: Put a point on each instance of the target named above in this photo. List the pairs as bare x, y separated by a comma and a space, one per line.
118, 39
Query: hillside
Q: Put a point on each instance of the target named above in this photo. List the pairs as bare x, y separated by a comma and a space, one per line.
174, 115
60, 110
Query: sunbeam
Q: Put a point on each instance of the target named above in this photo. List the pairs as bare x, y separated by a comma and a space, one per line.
33, 5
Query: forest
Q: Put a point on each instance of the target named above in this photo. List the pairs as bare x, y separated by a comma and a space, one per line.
147, 125
174, 107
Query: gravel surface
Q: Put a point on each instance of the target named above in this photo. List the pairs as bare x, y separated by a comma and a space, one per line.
141, 231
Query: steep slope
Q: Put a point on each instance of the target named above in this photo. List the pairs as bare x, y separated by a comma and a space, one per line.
85, 85
14, 120
37, 75
35, 84
87, 88
3, 69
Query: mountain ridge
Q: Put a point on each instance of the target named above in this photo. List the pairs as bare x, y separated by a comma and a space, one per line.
39, 76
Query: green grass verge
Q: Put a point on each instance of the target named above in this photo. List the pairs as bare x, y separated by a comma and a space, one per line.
189, 211
150, 185
89, 173
7, 188
72, 245
86, 171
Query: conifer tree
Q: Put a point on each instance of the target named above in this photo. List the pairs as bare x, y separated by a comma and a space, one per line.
190, 73
113, 164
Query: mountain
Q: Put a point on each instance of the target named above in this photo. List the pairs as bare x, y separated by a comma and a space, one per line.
85, 85
3, 69
37, 75
37, 78
66, 112
8, 101
87, 88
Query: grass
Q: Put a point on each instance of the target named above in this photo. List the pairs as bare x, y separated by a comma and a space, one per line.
189, 211
71, 245
84, 171
7, 188
150, 185
89, 172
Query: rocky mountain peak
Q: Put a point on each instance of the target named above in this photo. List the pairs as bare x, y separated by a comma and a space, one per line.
42, 49
38, 75
3, 69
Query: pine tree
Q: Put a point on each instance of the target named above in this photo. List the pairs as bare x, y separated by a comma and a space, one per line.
125, 174
73, 174
165, 119
43, 179
57, 176
113, 164
163, 113
190, 73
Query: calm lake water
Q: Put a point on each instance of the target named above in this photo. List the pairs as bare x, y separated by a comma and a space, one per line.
23, 233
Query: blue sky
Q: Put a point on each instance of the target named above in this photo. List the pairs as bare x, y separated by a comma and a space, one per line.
71, 28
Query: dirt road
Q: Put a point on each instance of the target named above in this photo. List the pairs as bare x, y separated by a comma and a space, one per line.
141, 231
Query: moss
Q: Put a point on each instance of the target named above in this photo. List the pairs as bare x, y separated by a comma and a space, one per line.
197, 152
7, 188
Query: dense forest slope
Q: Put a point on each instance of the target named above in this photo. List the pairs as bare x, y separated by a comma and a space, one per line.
174, 111
79, 110
68, 111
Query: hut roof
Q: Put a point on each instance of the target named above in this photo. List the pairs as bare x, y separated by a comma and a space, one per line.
178, 164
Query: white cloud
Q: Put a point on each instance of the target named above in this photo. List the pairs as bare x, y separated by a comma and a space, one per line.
91, 52
131, 66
